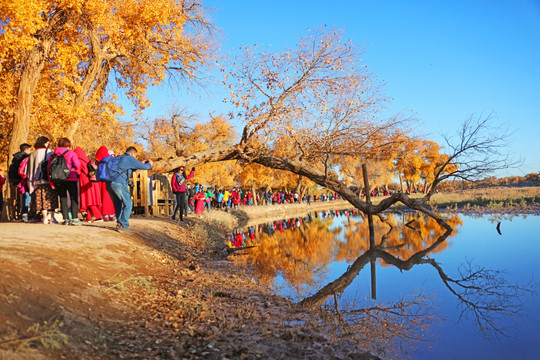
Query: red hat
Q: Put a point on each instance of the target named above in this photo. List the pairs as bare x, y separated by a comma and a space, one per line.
102, 153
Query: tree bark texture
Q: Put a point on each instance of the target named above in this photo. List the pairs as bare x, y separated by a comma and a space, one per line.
95, 79
30, 75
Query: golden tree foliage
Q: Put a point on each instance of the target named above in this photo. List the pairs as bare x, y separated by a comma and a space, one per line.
381, 172
315, 96
159, 135
221, 175
421, 160
216, 133
297, 254
141, 42
257, 176
117, 136
302, 253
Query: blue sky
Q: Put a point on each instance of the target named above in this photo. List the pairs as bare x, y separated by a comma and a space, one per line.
438, 60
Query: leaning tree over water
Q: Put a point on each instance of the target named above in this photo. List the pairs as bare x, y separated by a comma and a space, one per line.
321, 101
325, 106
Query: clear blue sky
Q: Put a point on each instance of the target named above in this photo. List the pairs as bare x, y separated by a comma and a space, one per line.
440, 60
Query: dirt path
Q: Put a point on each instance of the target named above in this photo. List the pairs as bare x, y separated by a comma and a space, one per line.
166, 292
54, 272
250, 215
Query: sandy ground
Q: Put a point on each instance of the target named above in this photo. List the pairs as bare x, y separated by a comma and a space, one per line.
53, 272
166, 292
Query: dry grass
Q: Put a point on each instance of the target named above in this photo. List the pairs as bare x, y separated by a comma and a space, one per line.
493, 199
492, 193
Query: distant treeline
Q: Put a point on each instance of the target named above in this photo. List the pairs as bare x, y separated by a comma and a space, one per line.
532, 179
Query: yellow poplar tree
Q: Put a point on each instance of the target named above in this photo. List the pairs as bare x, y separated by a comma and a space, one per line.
72, 47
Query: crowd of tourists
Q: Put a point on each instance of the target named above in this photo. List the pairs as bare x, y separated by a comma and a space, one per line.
46, 180
65, 178
199, 198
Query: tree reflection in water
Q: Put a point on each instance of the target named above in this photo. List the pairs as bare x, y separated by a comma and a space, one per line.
302, 255
298, 248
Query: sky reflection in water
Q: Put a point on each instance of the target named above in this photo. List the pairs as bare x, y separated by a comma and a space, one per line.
476, 240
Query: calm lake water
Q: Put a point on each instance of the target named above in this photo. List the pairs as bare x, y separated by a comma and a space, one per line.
302, 255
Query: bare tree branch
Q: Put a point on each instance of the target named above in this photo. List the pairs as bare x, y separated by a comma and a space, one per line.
479, 148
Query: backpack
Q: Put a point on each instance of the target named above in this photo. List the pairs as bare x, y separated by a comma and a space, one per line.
13, 172
58, 169
22, 168
108, 169
91, 167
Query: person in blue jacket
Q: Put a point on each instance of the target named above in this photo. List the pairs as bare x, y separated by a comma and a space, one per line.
120, 193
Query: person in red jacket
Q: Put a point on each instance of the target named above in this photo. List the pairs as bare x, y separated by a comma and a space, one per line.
107, 205
178, 183
236, 198
90, 191
199, 199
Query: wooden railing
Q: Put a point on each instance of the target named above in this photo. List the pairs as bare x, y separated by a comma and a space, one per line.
152, 195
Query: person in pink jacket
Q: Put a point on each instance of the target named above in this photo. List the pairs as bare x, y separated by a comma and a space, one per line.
69, 186
178, 183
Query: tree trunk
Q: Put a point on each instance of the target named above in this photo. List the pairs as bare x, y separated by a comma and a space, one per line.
338, 285
371, 232
302, 193
200, 157
254, 194
299, 168
95, 79
31, 73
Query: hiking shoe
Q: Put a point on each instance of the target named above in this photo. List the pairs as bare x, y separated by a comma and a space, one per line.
121, 230
76, 222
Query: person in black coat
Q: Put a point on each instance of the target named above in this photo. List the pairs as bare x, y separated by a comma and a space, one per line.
14, 179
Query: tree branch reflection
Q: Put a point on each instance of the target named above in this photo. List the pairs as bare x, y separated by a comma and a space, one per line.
300, 249
483, 294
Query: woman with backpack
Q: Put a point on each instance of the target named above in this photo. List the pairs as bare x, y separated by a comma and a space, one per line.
69, 185
44, 198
